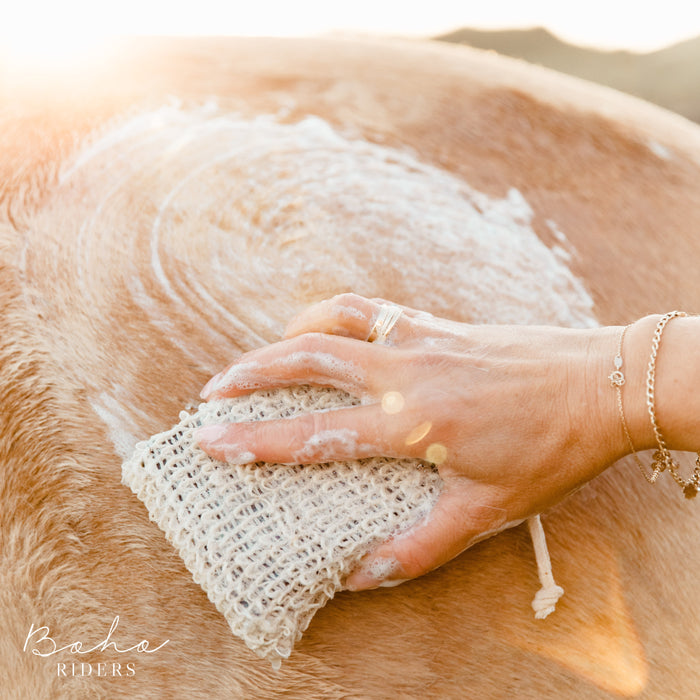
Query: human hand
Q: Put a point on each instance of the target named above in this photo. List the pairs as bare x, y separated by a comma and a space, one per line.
511, 415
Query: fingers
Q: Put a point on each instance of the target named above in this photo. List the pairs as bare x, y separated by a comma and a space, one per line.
317, 359
324, 436
346, 315
461, 517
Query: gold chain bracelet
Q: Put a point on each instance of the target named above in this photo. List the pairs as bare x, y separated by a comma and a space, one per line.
661, 459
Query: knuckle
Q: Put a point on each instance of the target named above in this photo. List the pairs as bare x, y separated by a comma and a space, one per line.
311, 442
309, 342
347, 299
317, 422
289, 435
306, 426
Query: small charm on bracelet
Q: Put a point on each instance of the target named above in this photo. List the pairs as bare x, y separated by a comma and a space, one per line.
691, 488
616, 377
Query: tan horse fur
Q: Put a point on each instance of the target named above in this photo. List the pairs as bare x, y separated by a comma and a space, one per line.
144, 244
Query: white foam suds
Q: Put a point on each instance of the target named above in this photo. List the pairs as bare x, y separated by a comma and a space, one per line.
119, 423
392, 583
659, 150
235, 454
328, 444
326, 365
278, 206
558, 234
380, 568
319, 365
221, 228
561, 254
348, 312
242, 375
565, 251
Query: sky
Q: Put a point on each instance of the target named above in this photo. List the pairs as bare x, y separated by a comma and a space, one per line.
44, 26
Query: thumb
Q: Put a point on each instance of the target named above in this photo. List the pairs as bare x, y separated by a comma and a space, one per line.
462, 516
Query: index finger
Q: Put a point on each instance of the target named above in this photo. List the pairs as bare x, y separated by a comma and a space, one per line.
314, 358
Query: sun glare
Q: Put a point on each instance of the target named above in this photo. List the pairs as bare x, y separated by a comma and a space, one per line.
57, 35
50, 50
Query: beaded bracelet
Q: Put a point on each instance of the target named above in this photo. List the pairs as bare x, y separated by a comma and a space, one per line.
661, 459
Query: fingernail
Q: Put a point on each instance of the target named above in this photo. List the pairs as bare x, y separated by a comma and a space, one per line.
210, 386
239, 376
373, 574
209, 434
393, 582
361, 582
209, 438
367, 583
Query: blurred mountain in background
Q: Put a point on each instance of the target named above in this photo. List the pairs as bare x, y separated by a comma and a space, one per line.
669, 77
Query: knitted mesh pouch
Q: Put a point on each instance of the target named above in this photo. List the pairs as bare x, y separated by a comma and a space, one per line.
271, 544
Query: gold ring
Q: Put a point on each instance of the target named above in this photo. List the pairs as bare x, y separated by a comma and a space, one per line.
386, 320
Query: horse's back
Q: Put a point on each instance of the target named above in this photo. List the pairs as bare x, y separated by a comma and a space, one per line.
176, 205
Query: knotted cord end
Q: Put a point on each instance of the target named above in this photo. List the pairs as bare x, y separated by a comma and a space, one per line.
546, 599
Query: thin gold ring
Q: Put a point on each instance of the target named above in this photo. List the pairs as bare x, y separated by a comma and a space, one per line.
386, 320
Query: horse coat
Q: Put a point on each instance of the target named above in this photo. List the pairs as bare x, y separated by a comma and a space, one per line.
175, 203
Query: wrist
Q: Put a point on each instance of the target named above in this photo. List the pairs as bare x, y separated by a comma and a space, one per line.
617, 421
676, 378
636, 353
605, 422
594, 417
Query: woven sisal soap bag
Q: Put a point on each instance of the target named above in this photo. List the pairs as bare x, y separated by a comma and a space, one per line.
271, 544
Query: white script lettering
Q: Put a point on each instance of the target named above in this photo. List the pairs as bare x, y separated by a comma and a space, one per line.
43, 645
